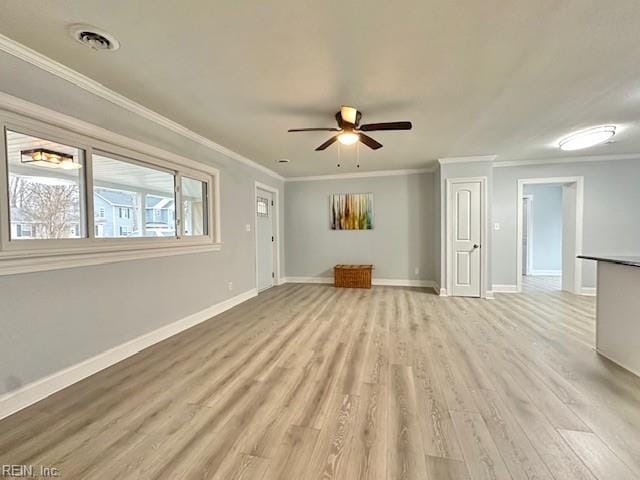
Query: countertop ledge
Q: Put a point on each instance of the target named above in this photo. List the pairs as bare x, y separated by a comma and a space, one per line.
629, 261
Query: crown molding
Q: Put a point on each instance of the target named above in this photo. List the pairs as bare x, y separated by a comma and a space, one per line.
585, 158
63, 72
470, 159
20, 106
375, 173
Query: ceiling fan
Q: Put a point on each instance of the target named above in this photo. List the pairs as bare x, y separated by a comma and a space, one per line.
350, 131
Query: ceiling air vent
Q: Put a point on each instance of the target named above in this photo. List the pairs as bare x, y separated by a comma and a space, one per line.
94, 38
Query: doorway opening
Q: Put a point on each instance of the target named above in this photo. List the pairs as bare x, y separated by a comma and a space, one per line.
267, 233
549, 234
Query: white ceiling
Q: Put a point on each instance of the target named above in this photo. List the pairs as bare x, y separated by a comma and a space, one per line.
503, 77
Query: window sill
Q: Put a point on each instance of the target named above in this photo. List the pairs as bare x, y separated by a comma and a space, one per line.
28, 264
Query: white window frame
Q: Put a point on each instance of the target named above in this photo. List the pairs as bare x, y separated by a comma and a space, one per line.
28, 255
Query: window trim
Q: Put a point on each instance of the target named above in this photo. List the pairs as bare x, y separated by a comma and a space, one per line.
18, 256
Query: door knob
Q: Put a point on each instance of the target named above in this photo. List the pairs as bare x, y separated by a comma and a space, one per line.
475, 245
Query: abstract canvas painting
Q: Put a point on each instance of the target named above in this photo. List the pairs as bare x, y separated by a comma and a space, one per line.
351, 211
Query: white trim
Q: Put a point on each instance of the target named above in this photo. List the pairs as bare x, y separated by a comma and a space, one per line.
579, 181
589, 291
470, 159
36, 391
586, 158
276, 233
65, 73
60, 120
375, 173
37, 255
390, 282
529, 234
309, 280
545, 273
505, 288
484, 232
490, 295
13, 266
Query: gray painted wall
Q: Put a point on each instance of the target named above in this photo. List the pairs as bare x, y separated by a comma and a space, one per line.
547, 227
401, 240
52, 320
611, 222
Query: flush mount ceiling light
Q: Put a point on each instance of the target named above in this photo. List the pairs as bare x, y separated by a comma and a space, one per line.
587, 138
43, 157
93, 37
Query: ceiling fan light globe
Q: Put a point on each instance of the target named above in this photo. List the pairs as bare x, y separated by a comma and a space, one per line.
348, 138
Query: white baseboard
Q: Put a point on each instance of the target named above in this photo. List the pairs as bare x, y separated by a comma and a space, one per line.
490, 295
309, 280
505, 288
545, 273
390, 282
33, 392
588, 291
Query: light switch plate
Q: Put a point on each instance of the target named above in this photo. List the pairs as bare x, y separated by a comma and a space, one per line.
247, 227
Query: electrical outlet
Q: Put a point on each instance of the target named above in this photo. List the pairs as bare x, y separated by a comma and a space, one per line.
247, 227
230, 286
416, 271
496, 226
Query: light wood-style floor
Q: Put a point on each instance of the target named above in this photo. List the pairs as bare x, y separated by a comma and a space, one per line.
534, 284
310, 382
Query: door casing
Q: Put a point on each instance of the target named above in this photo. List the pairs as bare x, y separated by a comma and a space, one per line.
575, 224
483, 232
276, 230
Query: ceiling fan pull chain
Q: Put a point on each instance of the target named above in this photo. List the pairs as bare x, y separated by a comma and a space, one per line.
339, 154
358, 155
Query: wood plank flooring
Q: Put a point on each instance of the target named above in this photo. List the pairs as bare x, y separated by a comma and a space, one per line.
309, 382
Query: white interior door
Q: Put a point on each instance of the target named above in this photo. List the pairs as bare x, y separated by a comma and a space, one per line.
265, 238
466, 224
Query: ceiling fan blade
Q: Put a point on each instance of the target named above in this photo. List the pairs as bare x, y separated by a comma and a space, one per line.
313, 130
370, 127
329, 142
370, 142
349, 114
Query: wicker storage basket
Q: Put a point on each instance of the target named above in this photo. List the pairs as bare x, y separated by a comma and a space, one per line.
352, 276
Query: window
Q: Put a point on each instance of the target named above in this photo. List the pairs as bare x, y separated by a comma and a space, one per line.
124, 212
262, 207
24, 231
194, 212
143, 196
45, 187
67, 196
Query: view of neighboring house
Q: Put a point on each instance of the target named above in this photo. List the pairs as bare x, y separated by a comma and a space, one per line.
25, 226
116, 214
